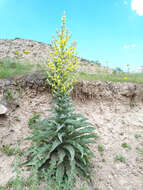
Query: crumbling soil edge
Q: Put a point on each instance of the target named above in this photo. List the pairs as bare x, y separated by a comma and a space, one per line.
125, 93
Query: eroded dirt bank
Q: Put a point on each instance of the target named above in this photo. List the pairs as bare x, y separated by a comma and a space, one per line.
115, 109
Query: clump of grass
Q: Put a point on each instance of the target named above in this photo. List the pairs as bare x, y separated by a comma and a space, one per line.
10, 68
120, 158
7, 150
137, 136
9, 95
120, 77
139, 150
17, 118
33, 119
100, 148
125, 145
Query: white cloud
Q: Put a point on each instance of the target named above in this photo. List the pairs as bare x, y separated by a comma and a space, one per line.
129, 46
125, 46
137, 5
125, 2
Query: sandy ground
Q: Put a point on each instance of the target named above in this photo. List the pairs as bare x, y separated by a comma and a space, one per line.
115, 124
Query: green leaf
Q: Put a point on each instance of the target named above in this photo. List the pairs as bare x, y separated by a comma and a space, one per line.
82, 131
90, 136
73, 165
83, 168
60, 135
60, 170
88, 151
68, 168
61, 156
85, 140
75, 116
44, 148
60, 127
55, 145
77, 146
30, 150
71, 150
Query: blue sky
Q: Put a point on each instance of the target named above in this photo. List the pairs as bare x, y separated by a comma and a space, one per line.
110, 31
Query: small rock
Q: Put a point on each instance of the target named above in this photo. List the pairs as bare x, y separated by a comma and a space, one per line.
3, 109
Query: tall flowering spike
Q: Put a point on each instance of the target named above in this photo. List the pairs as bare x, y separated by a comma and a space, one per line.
61, 69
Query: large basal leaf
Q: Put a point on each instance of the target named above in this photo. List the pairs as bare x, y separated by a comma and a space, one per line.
45, 147
83, 167
83, 124
55, 145
88, 151
83, 140
59, 127
60, 136
61, 155
82, 131
60, 171
90, 136
77, 146
75, 116
71, 150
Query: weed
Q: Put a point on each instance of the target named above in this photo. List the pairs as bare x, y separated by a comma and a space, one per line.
9, 123
20, 90
16, 118
34, 119
9, 95
139, 150
100, 148
103, 160
100, 179
125, 145
132, 105
7, 150
120, 158
137, 136
9, 183
123, 122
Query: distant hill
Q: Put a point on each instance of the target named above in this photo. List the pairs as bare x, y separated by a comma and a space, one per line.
38, 52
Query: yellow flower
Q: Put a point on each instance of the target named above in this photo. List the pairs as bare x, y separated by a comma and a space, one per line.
125, 78
26, 52
17, 53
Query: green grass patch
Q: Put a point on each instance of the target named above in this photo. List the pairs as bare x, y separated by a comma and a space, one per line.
7, 150
10, 68
125, 145
137, 136
120, 158
100, 148
119, 77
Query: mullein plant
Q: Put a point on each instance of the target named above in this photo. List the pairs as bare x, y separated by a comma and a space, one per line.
60, 142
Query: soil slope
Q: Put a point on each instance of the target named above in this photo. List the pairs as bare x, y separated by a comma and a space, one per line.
116, 111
